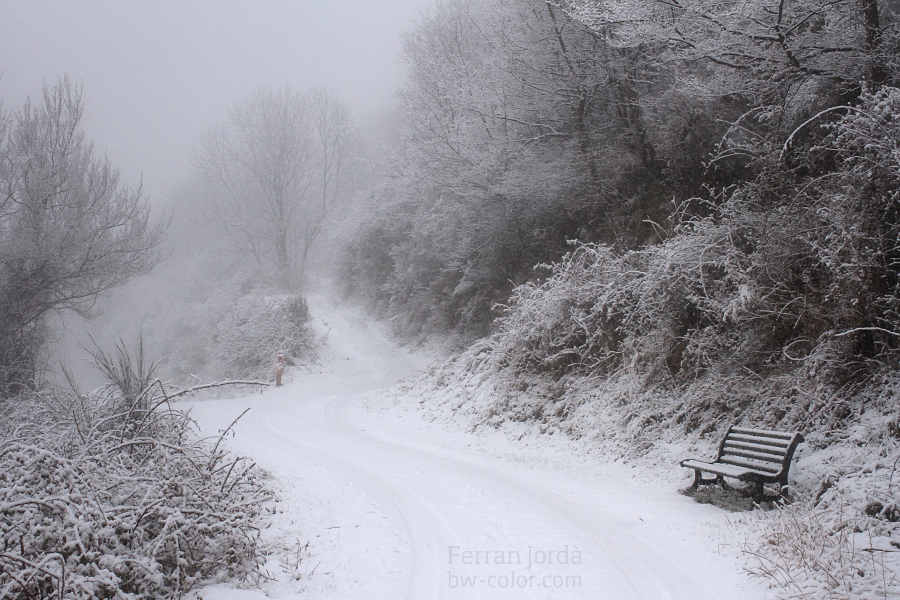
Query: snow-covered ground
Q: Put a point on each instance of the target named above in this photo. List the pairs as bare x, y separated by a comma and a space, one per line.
377, 502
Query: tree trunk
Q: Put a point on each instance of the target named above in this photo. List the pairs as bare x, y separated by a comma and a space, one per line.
873, 38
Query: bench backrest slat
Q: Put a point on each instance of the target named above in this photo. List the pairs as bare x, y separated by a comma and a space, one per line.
765, 467
769, 458
784, 435
774, 443
739, 445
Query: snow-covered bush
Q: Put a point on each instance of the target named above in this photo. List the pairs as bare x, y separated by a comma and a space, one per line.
247, 338
236, 335
100, 503
674, 309
776, 275
823, 552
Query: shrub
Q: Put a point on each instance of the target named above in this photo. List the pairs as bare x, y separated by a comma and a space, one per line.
814, 552
790, 271
247, 338
100, 502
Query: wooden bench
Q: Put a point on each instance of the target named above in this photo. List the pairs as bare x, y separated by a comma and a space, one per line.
751, 455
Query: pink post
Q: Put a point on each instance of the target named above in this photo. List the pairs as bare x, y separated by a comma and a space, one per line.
279, 369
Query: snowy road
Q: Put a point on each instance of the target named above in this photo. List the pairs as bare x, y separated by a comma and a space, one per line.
399, 511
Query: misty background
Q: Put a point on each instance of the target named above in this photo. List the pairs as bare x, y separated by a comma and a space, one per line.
156, 77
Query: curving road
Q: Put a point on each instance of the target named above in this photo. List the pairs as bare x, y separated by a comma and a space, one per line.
395, 509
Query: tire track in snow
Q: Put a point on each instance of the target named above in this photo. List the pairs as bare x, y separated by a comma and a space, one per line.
648, 574
421, 524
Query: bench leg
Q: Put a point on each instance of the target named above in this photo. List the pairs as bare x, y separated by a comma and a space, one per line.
759, 492
783, 491
698, 479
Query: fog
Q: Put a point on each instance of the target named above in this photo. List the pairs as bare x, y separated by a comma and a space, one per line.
157, 74
155, 77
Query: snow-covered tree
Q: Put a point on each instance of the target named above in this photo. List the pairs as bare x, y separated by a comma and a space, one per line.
276, 168
784, 59
522, 129
69, 230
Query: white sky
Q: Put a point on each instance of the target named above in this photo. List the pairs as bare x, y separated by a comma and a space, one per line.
157, 73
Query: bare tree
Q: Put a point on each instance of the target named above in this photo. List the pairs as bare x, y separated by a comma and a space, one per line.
275, 167
777, 53
68, 230
335, 137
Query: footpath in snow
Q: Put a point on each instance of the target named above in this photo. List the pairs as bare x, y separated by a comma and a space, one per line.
377, 502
